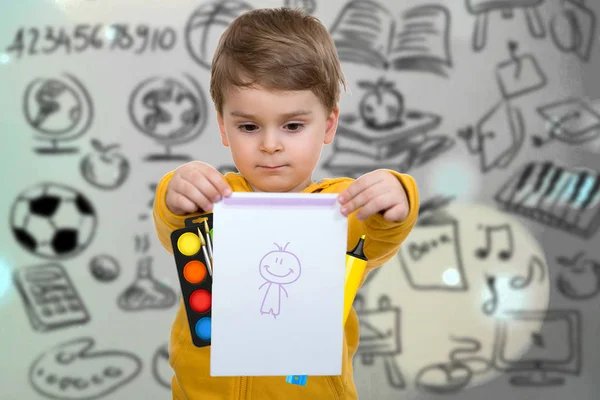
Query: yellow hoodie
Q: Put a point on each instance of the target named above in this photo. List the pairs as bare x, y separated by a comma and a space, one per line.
192, 380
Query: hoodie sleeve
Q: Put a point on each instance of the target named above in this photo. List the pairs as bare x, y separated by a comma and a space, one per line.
383, 238
165, 221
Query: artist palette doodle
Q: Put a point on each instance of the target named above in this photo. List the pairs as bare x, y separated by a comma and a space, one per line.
192, 249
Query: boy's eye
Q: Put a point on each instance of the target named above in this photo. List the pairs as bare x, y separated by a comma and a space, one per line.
294, 126
248, 127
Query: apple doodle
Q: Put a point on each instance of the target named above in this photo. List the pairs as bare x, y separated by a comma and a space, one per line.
71, 371
579, 279
105, 168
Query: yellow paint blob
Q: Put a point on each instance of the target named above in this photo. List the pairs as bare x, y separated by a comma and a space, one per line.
188, 244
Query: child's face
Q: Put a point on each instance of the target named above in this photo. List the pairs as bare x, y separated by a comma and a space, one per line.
266, 129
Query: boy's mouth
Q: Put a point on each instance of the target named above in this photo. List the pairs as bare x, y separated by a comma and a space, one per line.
271, 167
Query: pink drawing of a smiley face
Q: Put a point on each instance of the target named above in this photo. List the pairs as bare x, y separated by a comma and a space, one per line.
280, 266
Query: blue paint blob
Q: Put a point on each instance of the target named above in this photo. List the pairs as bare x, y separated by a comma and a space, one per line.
203, 328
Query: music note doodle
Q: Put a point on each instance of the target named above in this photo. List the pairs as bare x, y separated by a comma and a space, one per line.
489, 306
506, 252
520, 282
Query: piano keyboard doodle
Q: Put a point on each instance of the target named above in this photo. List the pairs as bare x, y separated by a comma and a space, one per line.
565, 198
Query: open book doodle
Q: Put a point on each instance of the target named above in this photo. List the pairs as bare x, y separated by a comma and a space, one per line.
278, 268
366, 32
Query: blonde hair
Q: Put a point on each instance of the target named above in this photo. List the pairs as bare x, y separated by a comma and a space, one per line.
278, 49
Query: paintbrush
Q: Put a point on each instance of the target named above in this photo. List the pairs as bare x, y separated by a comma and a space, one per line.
208, 241
203, 243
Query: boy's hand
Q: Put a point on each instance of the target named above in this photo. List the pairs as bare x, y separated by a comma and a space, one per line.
195, 185
378, 191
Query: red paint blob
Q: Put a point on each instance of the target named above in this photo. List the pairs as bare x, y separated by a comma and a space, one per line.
200, 301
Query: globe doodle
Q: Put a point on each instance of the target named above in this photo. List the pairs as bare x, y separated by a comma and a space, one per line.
206, 24
169, 110
58, 109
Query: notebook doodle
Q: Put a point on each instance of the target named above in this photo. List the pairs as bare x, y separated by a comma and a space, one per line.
368, 33
278, 268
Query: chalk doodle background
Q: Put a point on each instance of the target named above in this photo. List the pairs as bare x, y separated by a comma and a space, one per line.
490, 104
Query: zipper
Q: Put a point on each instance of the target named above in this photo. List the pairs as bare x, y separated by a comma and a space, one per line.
243, 387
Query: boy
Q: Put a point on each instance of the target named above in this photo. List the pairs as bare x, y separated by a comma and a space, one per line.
275, 82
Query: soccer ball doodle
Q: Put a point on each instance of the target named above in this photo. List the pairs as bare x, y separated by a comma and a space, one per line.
53, 221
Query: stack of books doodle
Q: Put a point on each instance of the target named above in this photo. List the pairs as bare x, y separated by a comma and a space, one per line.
360, 148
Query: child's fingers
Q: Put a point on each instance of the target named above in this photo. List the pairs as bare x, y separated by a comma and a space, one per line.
219, 183
374, 205
361, 199
194, 193
178, 203
398, 212
207, 189
184, 204
355, 188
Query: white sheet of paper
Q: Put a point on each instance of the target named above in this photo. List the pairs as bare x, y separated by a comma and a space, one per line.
278, 285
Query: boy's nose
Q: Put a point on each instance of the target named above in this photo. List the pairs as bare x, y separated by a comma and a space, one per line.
271, 142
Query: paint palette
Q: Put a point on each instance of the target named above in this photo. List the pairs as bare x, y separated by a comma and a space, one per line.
192, 249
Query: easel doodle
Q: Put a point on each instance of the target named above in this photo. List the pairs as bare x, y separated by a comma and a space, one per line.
380, 337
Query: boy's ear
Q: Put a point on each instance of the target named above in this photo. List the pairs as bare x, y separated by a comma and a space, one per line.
331, 125
222, 130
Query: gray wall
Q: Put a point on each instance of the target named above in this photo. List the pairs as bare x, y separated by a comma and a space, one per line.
442, 318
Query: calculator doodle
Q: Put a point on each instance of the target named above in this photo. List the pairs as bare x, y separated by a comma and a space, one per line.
50, 299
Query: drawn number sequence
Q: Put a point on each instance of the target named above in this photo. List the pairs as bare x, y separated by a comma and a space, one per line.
48, 40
